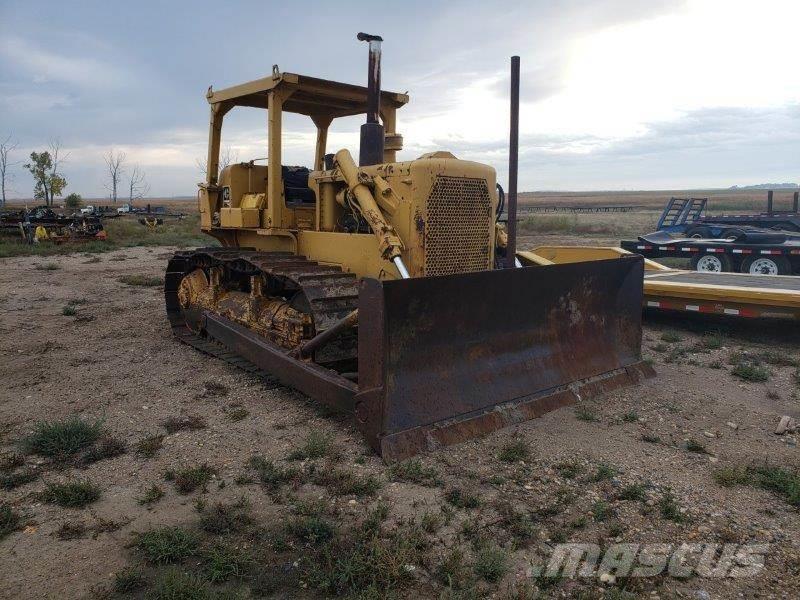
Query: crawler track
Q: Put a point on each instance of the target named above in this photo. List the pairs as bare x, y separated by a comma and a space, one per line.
329, 293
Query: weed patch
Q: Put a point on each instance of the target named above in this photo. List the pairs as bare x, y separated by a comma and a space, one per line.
149, 446
189, 479
166, 545
569, 470
227, 518
272, 475
174, 584
190, 423
238, 413
779, 359
223, 562
128, 580
141, 280
9, 520
345, 483
519, 524
491, 564
671, 337
696, 447
515, 451
10, 461
779, 480
675, 354
712, 341
50, 266
670, 509
11, 481
73, 494
603, 472
71, 530
635, 492
452, 570
62, 439
462, 498
316, 445
415, 472
312, 529
584, 414
152, 495
366, 562
600, 511
751, 372
106, 448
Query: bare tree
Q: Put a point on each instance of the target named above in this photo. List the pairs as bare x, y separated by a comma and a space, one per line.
58, 158
115, 163
6, 147
138, 186
226, 157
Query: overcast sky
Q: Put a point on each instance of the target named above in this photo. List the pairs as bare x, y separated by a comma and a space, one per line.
616, 94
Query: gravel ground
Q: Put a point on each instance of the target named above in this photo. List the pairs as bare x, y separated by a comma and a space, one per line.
115, 360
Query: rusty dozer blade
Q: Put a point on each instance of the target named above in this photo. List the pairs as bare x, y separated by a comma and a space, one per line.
445, 359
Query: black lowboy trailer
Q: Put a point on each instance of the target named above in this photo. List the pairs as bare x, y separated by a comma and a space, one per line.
723, 255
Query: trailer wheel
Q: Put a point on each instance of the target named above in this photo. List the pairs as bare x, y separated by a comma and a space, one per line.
712, 263
763, 265
737, 235
699, 232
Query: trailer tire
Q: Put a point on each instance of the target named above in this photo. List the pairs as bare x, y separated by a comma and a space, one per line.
712, 263
737, 235
699, 232
767, 265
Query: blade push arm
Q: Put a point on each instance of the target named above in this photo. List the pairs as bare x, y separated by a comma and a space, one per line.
390, 244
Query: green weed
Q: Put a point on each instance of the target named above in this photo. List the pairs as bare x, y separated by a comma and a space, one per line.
316, 445
166, 545
461, 498
141, 280
515, 451
189, 479
73, 494
415, 472
62, 439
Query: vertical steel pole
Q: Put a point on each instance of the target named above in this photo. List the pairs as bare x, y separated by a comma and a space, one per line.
769, 202
796, 202
513, 156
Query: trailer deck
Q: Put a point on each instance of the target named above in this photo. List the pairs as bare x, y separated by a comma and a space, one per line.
666, 289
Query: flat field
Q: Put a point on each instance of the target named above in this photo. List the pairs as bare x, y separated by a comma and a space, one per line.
133, 466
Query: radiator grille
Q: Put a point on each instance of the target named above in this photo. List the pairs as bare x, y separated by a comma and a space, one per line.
457, 235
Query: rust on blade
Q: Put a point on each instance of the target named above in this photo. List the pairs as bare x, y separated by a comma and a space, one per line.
402, 445
441, 358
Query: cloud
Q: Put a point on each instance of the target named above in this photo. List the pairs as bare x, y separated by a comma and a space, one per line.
614, 92
39, 65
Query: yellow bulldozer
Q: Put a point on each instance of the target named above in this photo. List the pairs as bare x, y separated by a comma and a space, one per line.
386, 289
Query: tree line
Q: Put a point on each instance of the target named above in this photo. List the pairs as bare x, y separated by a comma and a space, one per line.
49, 181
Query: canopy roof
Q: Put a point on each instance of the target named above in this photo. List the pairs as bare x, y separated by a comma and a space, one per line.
308, 95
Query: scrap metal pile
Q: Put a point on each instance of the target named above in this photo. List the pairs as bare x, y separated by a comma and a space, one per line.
43, 224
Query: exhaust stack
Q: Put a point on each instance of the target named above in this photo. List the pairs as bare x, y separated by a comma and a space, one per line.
372, 134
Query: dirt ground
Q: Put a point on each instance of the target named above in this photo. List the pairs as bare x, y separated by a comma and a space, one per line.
115, 360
